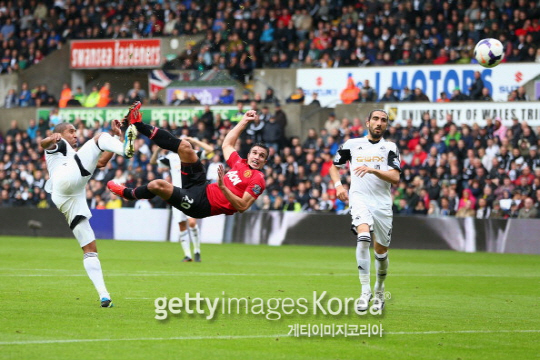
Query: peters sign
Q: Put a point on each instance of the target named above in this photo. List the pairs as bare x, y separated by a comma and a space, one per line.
115, 54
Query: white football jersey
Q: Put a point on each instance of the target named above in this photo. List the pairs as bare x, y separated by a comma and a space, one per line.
61, 155
172, 161
59, 162
380, 155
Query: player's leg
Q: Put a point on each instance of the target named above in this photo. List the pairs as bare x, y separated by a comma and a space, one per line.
90, 152
361, 224
383, 233
85, 235
159, 187
194, 234
181, 218
162, 138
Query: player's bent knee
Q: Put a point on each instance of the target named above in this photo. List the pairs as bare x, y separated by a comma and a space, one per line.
85, 235
160, 187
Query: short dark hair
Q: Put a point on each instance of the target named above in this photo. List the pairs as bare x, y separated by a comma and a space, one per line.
60, 128
261, 145
371, 113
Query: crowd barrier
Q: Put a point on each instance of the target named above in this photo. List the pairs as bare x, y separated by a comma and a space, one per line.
277, 228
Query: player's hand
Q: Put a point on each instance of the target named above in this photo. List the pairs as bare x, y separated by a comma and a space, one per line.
221, 175
56, 137
363, 170
115, 127
341, 193
250, 115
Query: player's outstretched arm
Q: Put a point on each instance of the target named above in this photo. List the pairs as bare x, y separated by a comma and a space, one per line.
106, 156
234, 134
155, 154
341, 193
49, 142
206, 147
104, 159
391, 176
241, 204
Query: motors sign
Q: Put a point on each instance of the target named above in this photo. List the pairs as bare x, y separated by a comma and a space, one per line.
99, 54
332, 84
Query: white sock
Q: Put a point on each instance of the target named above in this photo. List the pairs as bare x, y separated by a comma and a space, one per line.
93, 269
363, 260
184, 240
381, 264
107, 143
194, 233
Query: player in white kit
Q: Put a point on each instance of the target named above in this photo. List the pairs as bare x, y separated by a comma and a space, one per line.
69, 172
375, 166
172, 161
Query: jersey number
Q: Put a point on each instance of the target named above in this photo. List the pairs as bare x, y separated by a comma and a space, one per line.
186, 202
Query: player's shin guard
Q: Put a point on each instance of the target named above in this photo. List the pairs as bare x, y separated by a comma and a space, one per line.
194, 234
184, 240
162, 138
381, 266
363, 260
107, 143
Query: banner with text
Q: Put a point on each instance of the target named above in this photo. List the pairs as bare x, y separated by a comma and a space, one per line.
332, 84
207, 95
115, 54
177, 115
467, 113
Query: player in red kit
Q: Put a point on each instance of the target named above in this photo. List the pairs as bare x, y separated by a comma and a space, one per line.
235, 191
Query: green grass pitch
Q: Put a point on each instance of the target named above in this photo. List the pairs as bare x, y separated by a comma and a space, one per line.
444, 305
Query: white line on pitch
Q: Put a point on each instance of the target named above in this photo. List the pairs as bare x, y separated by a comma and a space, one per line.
149, 274
240, 337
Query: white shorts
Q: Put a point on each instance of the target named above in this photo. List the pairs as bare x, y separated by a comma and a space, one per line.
179, 216
72, 205
378, 220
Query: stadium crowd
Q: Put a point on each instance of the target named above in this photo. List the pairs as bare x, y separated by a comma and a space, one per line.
481, 171
243, 35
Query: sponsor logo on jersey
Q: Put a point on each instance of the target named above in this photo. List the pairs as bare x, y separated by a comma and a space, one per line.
233, 176
396, 163
257, 189
370, 159
247, 173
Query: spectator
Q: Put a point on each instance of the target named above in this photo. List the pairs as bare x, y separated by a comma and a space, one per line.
476, 89
420, 96
332, 122
79, 95
297, 97
104, 95
389, 96
136, 93
25, 96
315, 101
272, 134
65, 96
11, 100
93, 98
226, 97
485, 96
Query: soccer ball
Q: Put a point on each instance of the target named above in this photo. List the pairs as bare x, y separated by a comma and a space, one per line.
489, 52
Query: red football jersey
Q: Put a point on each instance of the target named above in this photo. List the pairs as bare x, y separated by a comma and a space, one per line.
239, 179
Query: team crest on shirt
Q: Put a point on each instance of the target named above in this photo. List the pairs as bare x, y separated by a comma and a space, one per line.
247, 173
257, 189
